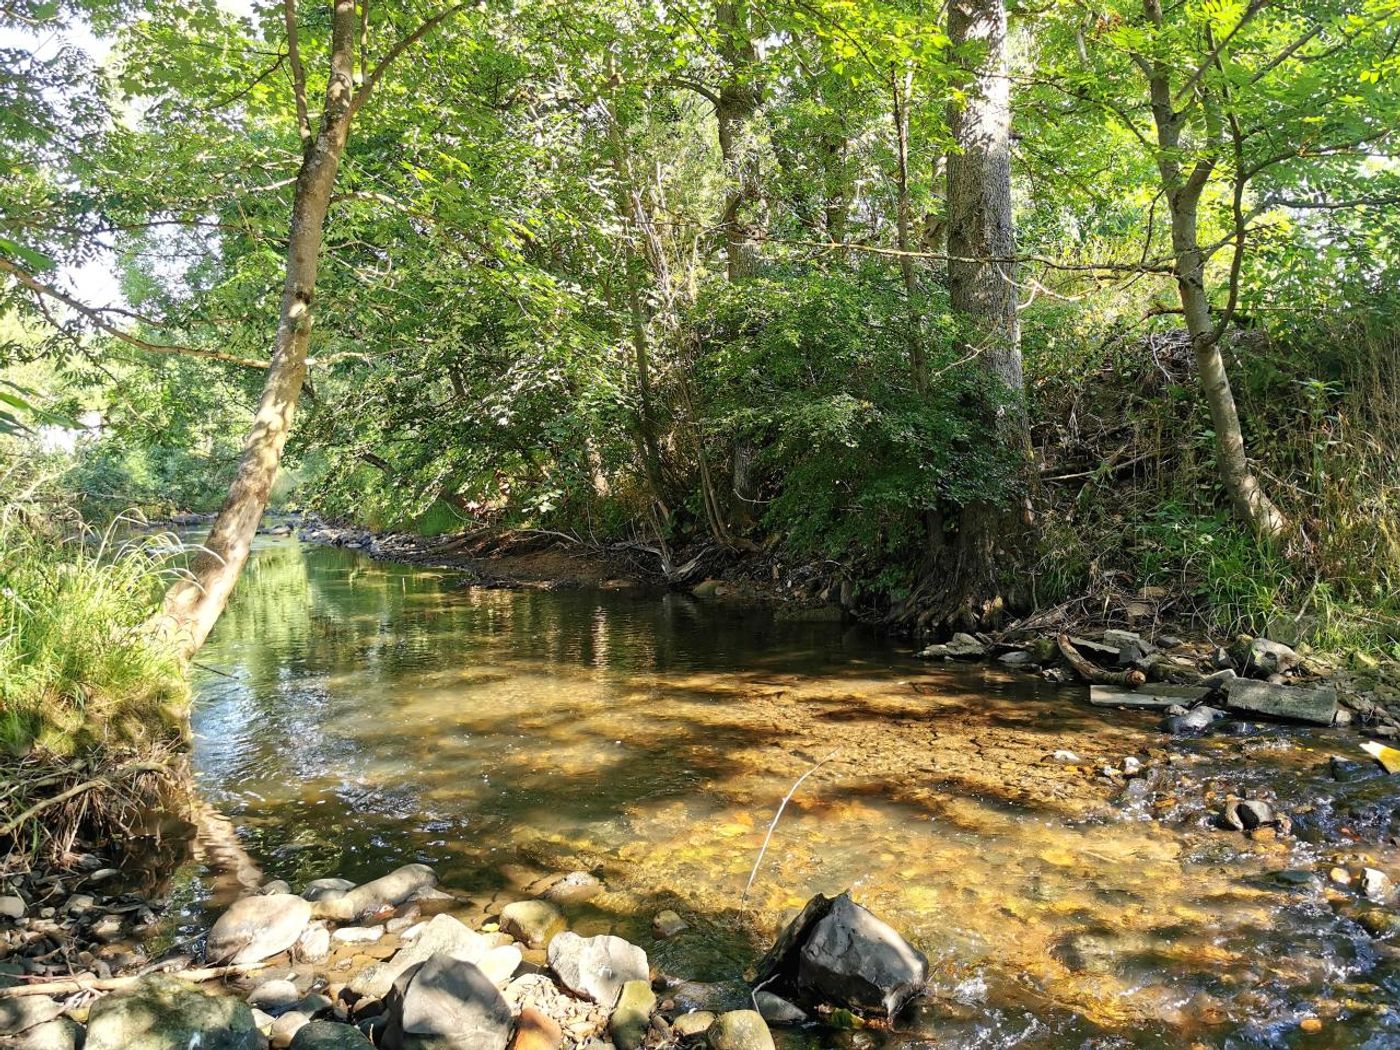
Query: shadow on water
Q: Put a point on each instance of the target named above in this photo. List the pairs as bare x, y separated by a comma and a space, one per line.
378, 714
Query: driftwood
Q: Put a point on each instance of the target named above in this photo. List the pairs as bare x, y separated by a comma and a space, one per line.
1298, 703
93, 983
1094, 674
106, 780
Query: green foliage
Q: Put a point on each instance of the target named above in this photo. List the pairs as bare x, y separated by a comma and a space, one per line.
77, 669
814, 370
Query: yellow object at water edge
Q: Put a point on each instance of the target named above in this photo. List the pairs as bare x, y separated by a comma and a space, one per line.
1389, 757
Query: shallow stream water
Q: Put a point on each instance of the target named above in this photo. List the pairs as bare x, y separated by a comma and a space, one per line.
366, 714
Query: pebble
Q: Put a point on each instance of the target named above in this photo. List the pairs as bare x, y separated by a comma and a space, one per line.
12, 907
667, 924
357, 934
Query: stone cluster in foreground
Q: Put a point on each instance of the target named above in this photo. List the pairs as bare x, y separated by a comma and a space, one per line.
385, 964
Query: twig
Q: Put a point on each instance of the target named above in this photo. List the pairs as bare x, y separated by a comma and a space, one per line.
778, 816
78, 789
81, 983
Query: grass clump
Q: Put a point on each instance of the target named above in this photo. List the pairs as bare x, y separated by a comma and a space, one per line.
77, 669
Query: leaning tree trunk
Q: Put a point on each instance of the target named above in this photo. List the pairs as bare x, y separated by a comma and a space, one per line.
981, 250
193, 604
1183, 194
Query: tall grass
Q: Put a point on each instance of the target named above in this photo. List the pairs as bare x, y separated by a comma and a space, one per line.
77, 669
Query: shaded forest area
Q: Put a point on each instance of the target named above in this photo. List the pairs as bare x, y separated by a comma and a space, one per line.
960, 310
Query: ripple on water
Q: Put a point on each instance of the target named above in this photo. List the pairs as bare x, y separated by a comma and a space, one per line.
379, 714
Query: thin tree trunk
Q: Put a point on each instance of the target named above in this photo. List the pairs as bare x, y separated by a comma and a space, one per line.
1183, 193
192, 605
900, 87
738, 101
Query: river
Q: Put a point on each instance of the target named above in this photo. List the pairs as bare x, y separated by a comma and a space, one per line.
360, 714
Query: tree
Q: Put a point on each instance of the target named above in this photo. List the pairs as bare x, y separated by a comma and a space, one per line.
194, 603
981, 269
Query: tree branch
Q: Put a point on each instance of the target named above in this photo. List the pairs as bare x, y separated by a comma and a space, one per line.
98, 321
362, 96
289, 16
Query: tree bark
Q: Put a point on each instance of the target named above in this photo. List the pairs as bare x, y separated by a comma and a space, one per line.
737, 102
981, 239
901, 86
1183, 194
193, 604
981, 250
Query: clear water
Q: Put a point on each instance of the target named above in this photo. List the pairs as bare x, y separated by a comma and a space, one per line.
369, 714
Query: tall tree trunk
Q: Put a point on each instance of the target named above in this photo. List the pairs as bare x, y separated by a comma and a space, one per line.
193, 604
734, 111
981, 249
981, 240
1183, 193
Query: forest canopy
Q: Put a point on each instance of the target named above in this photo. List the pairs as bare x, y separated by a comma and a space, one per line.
971, 306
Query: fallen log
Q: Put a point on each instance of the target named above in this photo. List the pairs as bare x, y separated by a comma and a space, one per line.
1298, 703
1092, 673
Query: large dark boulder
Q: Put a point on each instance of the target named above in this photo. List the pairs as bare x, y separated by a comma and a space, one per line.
837, 952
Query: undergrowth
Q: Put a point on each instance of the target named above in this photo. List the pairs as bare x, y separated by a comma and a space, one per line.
77, 670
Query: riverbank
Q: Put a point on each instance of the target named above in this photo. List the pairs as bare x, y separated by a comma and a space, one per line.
1137, 637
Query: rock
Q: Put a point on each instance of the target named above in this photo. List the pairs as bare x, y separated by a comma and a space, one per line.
1313, 704
1376, 884
274, 997
1120, 640
313, 1003
20, 1015
1340, 876
1016, 658
445, 1004
1255, 814
1264, 658
574, 888
596, 967
1132, 766
442, 935
329, 1035
357, 934
960, 647
388, 891
536, 1030
739, 1030
107, 929
714, 997
314, 944
285, 1028
12, 907
163, 1013
1158, 695
255, 928
667, 924
60, 1034
776, 1010
533, 923
632, 1015
275, 886
1196, 720
837, 952
500, 963
1220, 680
325, 889
693, 1024
1220, 658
